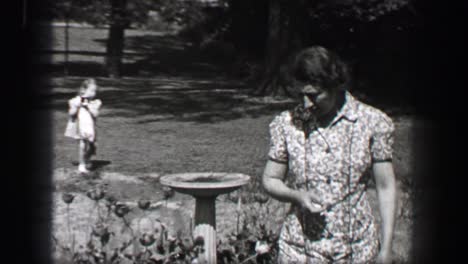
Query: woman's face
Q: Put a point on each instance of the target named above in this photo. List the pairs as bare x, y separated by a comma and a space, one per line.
318, 101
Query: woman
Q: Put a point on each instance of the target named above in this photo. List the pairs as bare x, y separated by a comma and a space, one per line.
328, 142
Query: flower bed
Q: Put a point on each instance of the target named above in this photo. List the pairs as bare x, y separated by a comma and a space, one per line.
94, 226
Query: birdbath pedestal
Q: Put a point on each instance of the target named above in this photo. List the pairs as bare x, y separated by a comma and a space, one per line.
205, 187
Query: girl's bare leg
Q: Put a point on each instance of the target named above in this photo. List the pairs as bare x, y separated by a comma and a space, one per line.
88, 154
82, 156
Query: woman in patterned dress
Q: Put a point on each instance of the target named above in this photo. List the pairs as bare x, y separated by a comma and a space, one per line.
329, 142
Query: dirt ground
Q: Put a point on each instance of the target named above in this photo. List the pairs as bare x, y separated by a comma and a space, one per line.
194, 121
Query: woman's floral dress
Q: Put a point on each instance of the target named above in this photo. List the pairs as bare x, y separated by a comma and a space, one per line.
333, 162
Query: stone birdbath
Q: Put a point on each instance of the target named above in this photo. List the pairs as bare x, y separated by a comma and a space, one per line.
205, 187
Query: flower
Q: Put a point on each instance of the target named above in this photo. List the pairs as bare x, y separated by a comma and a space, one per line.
96, 194
146, 225
121, 209
187, 242
147, 239
261, 198
261, 247
167, 192
144, 204
111, 200
100, 230
157, 258
199, 241
233, 196
68, 198
99, 256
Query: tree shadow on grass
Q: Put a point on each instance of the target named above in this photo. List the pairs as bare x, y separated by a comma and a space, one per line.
165, 79
186, 100
144, 56
98, 164
95, 164
74, 68
175, 99
172, 55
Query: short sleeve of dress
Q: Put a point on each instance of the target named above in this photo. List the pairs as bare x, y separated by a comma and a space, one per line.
382, 139
278, 150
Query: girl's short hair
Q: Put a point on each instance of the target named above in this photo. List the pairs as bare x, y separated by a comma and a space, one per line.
318, 66
85, 85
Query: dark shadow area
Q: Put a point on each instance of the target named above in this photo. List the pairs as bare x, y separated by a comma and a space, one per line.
179, 100
146, 56
78, 182
173, 56
82, 69
98, 164
152, 100
95, 164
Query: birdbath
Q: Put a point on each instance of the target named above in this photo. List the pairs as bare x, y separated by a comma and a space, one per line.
205, 187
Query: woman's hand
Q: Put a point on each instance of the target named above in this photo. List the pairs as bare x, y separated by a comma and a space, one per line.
309, 200
272, 181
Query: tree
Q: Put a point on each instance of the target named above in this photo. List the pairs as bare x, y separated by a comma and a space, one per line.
286, 32
247, 30
293, 25
115, 43
118, 14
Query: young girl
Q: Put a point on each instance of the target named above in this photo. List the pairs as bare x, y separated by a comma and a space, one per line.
83, 111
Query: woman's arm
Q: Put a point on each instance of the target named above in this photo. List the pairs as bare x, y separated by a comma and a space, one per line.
272, 181
386, 191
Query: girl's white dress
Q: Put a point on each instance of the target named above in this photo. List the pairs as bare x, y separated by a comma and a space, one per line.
83, 126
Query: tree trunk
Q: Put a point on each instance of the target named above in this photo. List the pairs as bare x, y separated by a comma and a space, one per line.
67, 47
248, 27
114, 51
115, 41
273, 47
286, 33
237, 9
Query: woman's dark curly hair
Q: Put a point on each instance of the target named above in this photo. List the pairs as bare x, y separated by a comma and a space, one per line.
318, 66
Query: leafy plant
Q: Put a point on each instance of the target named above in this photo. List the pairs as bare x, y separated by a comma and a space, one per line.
149, 241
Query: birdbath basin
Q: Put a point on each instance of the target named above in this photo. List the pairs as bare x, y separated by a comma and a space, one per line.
205, 184
205, 187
